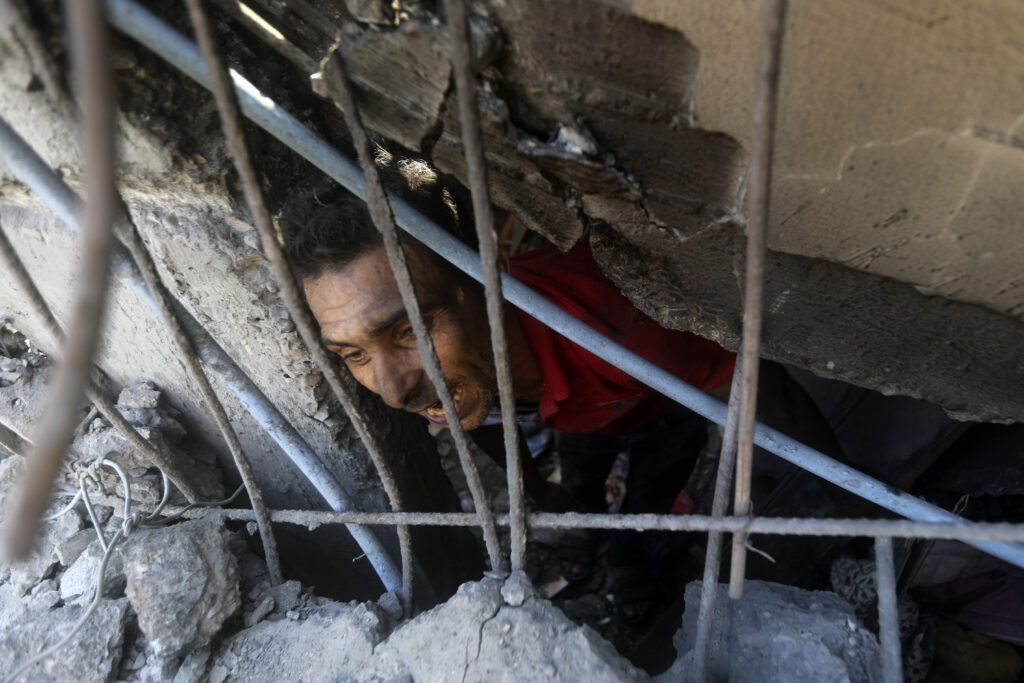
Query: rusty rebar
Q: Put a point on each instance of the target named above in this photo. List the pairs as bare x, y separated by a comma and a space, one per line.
130, 237
89, 47
483, 214
713, 553
888, 611
766, 95
338, 81
782, 526
21, 278
227, 104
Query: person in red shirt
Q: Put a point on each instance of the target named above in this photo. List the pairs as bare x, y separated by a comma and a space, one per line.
339, 257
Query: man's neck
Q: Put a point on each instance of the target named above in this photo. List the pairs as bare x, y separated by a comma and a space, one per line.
527, 382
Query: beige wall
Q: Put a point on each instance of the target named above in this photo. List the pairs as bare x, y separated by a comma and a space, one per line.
901, 133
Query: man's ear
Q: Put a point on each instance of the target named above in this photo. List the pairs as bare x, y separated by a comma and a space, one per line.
504, 260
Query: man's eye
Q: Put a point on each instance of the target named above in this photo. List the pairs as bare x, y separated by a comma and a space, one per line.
353, 357
407, 334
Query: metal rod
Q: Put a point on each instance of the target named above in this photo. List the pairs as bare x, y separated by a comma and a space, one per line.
469, 117
136, 21
337, 80
783, 526
16, 270
89, 47
766, 96
231, 122
250, 19
713, 553
131, 239
888, 612
34, 172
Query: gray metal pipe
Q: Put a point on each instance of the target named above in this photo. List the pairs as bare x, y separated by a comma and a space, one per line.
34, 172
179, 51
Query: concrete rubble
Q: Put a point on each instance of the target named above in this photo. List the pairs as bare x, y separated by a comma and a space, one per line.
779, 633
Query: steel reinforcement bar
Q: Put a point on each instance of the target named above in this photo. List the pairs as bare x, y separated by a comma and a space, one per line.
179, 51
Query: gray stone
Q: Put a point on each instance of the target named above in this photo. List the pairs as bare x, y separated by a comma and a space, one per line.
93, 654
141, 395
42, 560
76, 584
261, 610
193, 666
475, 636
343, 643
781, 634
391, 605
70, 548
182, 583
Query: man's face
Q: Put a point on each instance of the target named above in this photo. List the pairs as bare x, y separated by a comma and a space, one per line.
363, 320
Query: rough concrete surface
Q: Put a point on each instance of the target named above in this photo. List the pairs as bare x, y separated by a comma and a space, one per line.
182, 583
781, 634
477, 636
93, 654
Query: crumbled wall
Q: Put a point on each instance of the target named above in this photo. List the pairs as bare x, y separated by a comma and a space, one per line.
175, 179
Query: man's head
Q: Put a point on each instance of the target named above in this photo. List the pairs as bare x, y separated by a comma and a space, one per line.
340, 259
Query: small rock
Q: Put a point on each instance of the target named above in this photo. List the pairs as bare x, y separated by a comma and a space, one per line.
182, 583
77, 583
391, 605
293, 615
286, 596
265, 607
69, 549
142, 395
193, 666
517, 589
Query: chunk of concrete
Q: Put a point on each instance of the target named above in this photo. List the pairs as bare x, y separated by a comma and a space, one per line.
778, 633
322, 647
42, 560
182, 583
93, 654
77, 583
477, 636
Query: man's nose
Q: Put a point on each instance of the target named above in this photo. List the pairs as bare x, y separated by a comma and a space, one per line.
396, 381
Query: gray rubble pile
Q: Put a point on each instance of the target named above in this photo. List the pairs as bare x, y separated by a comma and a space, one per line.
781, 634
143, 406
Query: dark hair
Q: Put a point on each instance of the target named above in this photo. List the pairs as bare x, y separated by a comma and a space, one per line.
326, 227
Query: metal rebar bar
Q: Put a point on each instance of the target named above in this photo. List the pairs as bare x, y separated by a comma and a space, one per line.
783, 526
89, 46
713, 552
133, 241
766, 92
265, 31
337, 80
483, 214
34, 172
158, 37
888, 612
16, 270
231, 121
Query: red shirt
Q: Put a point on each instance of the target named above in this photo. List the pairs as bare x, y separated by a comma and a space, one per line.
582, 392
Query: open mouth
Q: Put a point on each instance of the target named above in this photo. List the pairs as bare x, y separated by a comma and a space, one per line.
435, 413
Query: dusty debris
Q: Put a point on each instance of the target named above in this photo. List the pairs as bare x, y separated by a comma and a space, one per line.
143, 406
182, 583
93, 654
477, 636
779, 633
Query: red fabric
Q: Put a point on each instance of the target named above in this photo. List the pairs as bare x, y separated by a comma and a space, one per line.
582, 392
